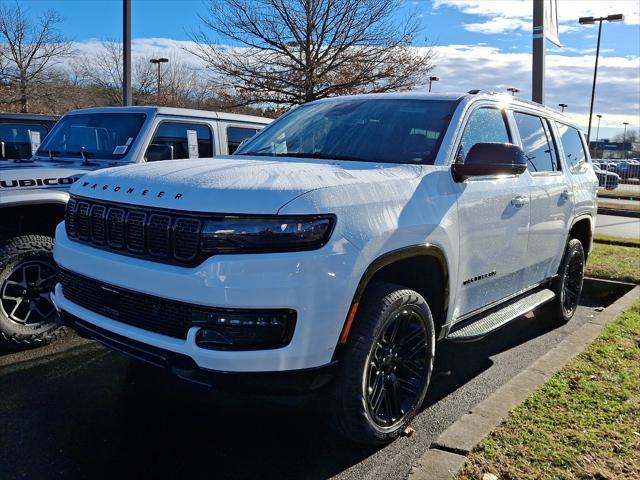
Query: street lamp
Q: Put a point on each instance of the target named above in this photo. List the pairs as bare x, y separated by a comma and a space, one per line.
590, 21
159, 61
513, 91
624, 139
563, 106
431, 80
598, 133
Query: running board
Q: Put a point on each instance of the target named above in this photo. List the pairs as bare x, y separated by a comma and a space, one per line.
483, 324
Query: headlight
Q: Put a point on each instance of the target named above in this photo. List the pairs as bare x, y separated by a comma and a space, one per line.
266, 234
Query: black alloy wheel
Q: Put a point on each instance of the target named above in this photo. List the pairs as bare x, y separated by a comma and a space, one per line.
397, 369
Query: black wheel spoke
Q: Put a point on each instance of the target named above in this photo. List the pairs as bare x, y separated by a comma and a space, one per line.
397, 369
24, 295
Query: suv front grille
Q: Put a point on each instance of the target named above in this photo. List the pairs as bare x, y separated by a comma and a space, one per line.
142, 232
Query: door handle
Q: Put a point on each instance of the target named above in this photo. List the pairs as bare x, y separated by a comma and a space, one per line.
519, 201
565, 195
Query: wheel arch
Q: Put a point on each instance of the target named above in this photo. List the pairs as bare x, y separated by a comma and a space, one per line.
582, 229
423, 268
31, 218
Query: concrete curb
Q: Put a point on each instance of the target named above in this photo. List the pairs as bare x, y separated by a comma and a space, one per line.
447, 454
618, 212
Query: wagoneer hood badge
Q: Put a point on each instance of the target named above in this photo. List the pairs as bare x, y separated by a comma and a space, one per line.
238, 184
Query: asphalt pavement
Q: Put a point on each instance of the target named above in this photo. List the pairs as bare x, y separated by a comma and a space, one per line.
91, 413
626, 227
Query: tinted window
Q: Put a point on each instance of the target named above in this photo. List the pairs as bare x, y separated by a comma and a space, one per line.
536, 143
572, 146
16, 140
235, 136
370, 130
105, 136
174, 138
486, 125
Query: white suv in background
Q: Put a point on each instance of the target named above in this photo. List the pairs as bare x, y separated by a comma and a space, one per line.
335, 248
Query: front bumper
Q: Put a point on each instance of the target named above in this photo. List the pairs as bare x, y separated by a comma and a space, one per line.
319, 285
183, 367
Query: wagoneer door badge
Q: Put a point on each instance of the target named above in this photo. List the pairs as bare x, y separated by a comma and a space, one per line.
479, 277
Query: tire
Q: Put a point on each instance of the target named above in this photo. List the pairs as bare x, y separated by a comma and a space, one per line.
567, 285
362, 381
27, 276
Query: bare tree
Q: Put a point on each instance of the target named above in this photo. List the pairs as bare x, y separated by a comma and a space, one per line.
181, 84
29, 48
293, 51
632, 136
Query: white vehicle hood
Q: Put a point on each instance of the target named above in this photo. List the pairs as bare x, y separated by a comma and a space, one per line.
238, 184
19, 176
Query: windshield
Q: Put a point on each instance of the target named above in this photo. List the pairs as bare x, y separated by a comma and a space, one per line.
105, 136
19, 141
371, 130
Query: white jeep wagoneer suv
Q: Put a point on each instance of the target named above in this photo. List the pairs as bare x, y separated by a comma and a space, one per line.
335, 248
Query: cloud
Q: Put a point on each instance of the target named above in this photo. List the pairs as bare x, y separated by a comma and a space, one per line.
465, 67
507, 16
498, 25
568, 78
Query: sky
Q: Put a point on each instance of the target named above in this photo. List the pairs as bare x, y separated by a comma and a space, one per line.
478, 43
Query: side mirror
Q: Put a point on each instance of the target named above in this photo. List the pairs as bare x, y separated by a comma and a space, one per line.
491, 159
157, 152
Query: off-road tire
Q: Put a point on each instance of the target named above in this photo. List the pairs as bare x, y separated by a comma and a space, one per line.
556, 310
13, 252
379, 306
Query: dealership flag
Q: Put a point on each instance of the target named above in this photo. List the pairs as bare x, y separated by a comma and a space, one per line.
551, 22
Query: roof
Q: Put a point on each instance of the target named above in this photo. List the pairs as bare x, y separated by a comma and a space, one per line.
29, 116
504, 98
178, 112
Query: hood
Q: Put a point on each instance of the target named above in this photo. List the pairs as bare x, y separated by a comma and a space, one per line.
238, 184
36, 175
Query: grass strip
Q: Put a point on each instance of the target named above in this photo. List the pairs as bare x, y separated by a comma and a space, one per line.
614, 262
583, 423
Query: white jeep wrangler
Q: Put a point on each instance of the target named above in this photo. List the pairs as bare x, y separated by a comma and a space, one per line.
33, 188
335, 248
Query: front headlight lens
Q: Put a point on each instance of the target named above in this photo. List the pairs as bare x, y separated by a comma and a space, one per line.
266, 234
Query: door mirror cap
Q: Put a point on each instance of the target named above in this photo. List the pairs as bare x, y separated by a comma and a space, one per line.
491, 159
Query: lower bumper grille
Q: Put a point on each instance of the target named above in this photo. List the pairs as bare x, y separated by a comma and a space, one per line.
220, 328
150, 313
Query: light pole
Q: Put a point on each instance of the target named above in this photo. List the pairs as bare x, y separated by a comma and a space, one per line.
563, 106
624, 140
590, 21
598, 133
513, 91
431, 80
126, 52
158, 61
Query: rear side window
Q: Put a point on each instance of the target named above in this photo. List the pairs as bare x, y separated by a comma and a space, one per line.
572, 145
486, 125
236, 135
177, 140
20, 141
536, 142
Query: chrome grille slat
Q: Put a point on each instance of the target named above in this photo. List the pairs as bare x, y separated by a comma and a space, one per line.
138, 231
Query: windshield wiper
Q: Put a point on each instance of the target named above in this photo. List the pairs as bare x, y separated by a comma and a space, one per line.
320, 155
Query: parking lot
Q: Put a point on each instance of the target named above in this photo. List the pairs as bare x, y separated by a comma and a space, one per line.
77, 410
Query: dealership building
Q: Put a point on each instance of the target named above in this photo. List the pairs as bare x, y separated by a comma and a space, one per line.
606, 149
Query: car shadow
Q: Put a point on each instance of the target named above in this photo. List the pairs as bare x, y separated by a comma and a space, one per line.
101, 415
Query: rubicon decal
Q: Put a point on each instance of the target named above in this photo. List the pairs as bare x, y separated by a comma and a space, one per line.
38, 182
